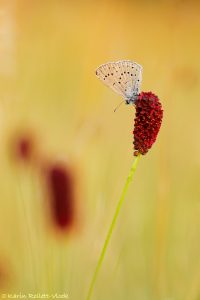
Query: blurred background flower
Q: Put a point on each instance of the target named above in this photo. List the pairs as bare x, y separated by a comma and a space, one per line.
48, 53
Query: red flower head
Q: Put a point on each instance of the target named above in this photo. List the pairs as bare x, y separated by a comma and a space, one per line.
61, 188
23, 146
147, 122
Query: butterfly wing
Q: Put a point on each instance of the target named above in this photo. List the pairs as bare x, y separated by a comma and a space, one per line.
124, 77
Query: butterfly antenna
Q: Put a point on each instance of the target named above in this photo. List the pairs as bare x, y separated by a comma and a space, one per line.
118, 106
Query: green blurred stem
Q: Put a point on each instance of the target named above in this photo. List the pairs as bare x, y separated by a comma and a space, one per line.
112, 225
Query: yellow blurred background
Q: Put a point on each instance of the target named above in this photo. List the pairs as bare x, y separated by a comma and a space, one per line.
49, 51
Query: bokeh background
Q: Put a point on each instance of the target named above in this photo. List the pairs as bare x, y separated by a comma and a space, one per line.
50, 100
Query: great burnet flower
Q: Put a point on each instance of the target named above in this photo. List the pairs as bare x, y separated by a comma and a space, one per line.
61, 190
124, 77
23, 146
147, 122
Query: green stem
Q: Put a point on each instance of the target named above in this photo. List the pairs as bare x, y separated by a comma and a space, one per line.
110, 231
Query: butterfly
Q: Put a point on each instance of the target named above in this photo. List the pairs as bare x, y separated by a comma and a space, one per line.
123, 76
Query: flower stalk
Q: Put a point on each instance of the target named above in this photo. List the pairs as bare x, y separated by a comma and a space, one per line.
112, 225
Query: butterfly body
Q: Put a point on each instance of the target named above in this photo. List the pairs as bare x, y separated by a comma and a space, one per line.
131, 100
123, 76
